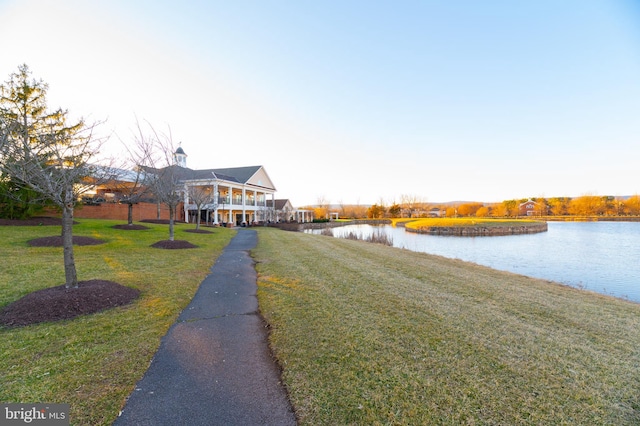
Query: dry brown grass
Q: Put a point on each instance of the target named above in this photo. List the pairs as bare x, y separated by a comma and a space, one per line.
369, 334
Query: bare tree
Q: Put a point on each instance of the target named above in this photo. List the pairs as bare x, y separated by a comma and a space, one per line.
343, 210
410, 203
41, 151
323, 207
200, 196
266, 213
133, 183
164, 177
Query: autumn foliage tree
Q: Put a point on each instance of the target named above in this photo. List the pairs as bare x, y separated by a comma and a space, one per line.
559, 206
322, 209
376, 211
469, 209
483, 211
587, 205
498, 210
541, 207
354, 211
510, 207
395, 210
632, 206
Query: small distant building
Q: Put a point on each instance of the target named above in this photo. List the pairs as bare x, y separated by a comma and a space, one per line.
283, 211
528, 208
436, 212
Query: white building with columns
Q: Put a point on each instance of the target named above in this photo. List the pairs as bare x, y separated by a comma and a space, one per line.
236, 195
283, 211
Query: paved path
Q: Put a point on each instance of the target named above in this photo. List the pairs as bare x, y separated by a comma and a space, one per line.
214, 366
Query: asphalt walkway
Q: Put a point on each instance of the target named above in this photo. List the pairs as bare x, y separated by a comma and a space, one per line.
214, 366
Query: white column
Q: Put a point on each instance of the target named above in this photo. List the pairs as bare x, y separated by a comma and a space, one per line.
244, 204
273, 206
185, 200
230, 194
230, 218
216, 198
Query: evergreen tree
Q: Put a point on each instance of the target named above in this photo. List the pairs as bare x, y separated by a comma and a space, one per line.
24, 117
40, 151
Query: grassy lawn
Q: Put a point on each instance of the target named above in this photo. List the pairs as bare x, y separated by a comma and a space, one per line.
94, 361
369, 334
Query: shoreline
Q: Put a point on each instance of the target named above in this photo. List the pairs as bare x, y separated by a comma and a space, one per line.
480, 231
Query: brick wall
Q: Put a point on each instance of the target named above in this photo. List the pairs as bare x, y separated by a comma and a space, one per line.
116, 211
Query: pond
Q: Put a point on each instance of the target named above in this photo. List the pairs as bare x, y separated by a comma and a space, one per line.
597, 256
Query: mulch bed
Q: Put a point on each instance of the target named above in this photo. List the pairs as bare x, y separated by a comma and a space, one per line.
34, 221
172, 245
198, 231
160, 221
132, 227
59, 303
57, 241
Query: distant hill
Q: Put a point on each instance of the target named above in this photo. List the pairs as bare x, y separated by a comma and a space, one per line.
457, 202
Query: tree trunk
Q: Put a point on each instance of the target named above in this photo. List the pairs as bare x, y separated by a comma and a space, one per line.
158, 210
171, 219
198, 220
130, 214
71, 277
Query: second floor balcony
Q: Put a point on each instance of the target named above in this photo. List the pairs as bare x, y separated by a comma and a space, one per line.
235, 202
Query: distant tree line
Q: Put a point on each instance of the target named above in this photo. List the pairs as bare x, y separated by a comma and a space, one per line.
413, 206
586, 205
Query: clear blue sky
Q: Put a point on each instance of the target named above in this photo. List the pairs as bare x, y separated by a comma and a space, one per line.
358, 101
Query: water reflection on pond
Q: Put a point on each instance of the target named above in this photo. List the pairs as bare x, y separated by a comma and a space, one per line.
598, 256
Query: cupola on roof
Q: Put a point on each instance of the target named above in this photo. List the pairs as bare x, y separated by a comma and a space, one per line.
180, 157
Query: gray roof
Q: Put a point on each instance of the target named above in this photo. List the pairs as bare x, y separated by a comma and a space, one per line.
280, 203
240, 174
234, 174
